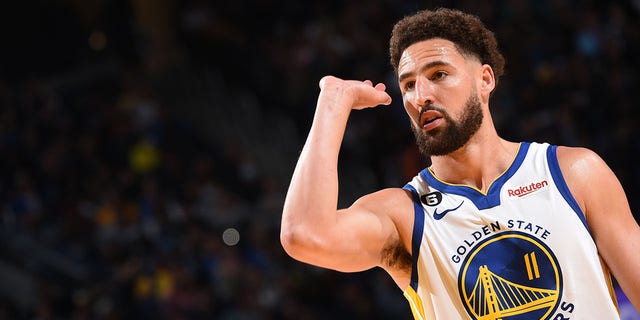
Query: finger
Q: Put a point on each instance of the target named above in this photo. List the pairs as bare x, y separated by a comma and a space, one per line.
384, 96
378, 97
387, 100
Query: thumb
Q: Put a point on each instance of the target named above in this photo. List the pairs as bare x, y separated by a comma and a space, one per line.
384, 96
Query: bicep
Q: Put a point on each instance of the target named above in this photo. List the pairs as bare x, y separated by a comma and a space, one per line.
360, 233
613, 227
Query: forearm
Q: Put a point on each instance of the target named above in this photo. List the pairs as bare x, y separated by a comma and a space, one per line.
313, 193
311, 230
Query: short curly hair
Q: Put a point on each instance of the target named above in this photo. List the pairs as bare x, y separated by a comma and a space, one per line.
466, 31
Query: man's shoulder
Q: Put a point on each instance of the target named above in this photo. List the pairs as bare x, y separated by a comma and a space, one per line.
386, 199
568, 155
582, 167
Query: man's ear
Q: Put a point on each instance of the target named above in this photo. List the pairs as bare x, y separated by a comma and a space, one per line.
488, 81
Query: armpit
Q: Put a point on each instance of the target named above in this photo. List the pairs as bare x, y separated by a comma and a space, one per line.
394, 255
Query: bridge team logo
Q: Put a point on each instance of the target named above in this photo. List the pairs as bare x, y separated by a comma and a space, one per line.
510, 275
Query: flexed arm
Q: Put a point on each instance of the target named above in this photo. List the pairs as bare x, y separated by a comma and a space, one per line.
603, 200
313, 230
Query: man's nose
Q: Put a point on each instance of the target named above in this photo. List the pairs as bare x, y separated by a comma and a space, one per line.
423, 93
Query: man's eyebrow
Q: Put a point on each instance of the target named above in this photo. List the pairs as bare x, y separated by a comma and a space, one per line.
432, 64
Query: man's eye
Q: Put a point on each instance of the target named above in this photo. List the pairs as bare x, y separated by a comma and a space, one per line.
409, 85
439, 75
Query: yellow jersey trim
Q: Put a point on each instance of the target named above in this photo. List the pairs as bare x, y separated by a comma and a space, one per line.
415, 303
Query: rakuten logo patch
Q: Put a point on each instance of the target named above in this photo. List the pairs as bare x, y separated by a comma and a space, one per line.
525, 190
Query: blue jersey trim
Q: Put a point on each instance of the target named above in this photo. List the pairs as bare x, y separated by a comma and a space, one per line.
558, 178
482, 201
416, 238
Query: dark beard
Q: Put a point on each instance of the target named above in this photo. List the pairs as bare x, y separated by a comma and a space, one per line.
451, 137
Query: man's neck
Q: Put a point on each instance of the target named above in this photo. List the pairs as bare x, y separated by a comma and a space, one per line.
477, 164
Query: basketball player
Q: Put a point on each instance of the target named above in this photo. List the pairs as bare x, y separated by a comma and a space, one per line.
493, 228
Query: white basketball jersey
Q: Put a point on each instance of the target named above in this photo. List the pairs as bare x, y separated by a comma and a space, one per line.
523, 250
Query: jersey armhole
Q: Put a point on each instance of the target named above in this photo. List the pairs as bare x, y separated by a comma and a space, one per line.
416, 237
561, 184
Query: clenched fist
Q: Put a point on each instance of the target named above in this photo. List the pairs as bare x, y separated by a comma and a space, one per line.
356, 94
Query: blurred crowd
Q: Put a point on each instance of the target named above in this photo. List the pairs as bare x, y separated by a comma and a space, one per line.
147, 145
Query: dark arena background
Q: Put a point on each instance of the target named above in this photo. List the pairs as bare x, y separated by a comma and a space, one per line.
146, 145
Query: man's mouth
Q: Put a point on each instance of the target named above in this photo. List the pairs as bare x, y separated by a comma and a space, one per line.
429, 119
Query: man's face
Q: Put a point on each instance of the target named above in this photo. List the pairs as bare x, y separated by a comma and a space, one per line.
439, 95
454, 134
